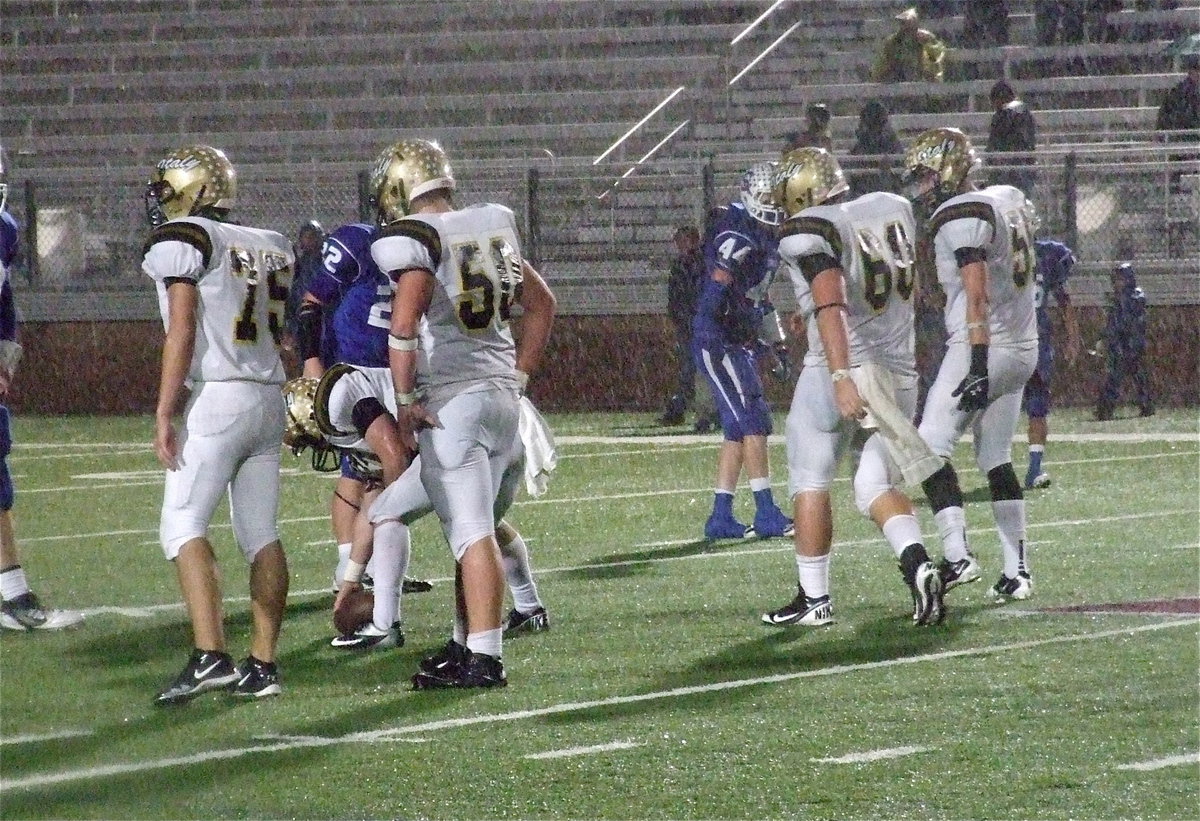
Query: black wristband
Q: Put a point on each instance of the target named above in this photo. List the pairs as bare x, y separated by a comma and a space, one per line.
979, 355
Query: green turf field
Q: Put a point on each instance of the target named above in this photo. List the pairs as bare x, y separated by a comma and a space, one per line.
657, 694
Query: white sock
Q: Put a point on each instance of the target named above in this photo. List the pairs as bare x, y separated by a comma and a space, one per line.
1010, 521
814, 575
488, 642
901, 531
13, 583
761, 483
392, 548
952, 527
519, 575
343, 557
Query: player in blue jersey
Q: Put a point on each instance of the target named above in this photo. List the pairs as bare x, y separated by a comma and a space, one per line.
741, 253
344, 317
1054, 264
21, 609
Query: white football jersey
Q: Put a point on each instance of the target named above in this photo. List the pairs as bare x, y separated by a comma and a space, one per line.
475, 254
872, 238
243, 275
996, 221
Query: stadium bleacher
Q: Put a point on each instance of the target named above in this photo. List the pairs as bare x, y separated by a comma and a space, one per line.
546, 84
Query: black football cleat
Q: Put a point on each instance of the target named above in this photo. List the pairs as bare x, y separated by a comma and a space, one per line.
532, 622
206, 670
471, 671
256, 679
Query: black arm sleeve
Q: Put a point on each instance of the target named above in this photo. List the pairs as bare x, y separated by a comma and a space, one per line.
308, 330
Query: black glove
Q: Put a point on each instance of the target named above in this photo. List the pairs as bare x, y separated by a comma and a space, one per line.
973, 390
782, 369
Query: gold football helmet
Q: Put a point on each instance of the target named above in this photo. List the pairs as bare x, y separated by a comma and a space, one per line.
757, 191
808, 177
189, 180
937, 164
405, 171
301, 430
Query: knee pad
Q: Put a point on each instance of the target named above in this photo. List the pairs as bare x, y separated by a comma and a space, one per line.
872, 475
1003, 484
865, 494
942, 489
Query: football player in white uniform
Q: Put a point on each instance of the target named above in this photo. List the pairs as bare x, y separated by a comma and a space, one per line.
457, 375
984, 252
852, 264
221, 291
352, 409
346, 412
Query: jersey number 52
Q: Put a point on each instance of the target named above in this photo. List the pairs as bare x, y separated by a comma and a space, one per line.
489, 277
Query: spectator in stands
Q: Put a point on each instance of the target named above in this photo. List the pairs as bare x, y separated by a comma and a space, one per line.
874, 135
683, 284
911, 54
1125, 344
1180, 109
1012, 130
1059, 21
985, 24
816, 133
308, 261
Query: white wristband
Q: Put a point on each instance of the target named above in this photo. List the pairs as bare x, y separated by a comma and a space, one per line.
403, 400
402, 343
354, 572
10, 355
522, 380
839, 374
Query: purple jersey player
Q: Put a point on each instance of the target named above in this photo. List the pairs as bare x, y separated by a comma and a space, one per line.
1055, 262
344, 317
356, 299
740, 254
21, 609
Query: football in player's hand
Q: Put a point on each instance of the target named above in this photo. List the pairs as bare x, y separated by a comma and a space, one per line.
353, 611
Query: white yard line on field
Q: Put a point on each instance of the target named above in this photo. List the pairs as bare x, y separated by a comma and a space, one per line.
37, 738
595, 748
1159, 763
88, 773
872, 755
778, 439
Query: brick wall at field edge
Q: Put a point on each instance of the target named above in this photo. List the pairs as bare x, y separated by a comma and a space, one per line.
611, 363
